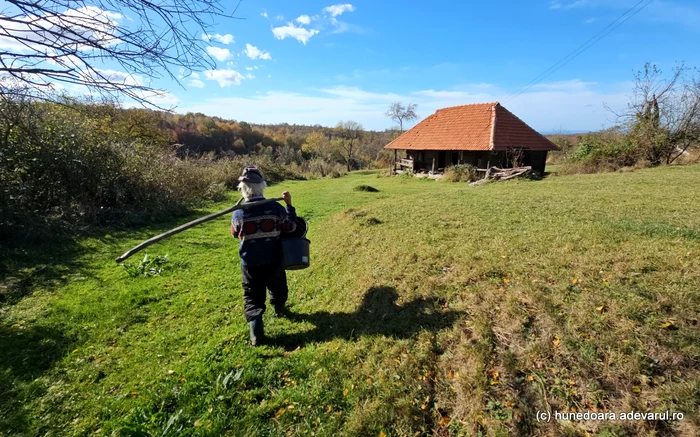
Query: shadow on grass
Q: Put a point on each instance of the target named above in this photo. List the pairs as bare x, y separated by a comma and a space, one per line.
26, 268
379, 314
27, 353
49, 259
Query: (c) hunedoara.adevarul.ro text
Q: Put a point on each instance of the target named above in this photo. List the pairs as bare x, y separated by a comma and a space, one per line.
566, 416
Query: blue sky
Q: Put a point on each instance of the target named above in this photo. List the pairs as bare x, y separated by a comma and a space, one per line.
318, 62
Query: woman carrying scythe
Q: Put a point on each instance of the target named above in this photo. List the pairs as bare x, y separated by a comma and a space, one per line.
259, 228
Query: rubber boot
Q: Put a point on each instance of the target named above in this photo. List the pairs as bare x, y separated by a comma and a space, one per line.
257, 332
281, 311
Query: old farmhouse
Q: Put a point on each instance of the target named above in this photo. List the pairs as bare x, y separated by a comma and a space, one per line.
483, 135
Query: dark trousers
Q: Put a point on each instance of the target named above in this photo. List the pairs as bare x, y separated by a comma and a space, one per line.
256, 279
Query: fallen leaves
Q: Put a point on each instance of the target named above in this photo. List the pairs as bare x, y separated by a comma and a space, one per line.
556, 342
495, 375
670, 325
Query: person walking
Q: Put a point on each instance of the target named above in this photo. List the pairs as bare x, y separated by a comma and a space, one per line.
259, 228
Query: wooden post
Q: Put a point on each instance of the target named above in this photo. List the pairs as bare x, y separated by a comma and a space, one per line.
396, 152
434, 162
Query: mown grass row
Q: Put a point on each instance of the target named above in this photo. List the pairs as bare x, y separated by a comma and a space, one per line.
430, 308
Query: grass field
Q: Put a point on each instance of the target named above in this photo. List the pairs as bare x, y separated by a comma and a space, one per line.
430, 308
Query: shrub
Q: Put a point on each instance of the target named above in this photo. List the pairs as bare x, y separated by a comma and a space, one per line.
318, 168
73, 165
460, 173
605, 151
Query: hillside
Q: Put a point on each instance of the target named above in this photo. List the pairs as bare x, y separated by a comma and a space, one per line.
429, 309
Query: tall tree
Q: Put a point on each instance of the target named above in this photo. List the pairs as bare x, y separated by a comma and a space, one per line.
47, 45
317, 144
400, 113
348, 135
664, 116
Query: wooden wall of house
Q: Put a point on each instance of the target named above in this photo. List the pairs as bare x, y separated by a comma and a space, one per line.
423, 159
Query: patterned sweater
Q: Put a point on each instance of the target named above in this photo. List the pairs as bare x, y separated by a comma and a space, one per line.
259, 230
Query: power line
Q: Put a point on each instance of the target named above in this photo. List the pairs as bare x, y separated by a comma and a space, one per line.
582, 48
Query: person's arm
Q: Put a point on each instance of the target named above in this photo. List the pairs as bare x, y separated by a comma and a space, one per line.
289, 217
236, 223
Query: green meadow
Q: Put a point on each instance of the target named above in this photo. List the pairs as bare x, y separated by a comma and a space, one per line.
430, 308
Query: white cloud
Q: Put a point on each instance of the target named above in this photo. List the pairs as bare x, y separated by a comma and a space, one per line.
578, 106
249, 76
342, 27
114, 76
160, 98
565, 85
249, 68
264, 14
225, 78
195, 82
357, 94
254, 53
219, 53
566, 6
223, 39
339, 9
290, 31
591, 20
279, 18
303, 19
86, 23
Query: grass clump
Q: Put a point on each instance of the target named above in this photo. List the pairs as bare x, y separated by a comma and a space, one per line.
151, 266
366, 188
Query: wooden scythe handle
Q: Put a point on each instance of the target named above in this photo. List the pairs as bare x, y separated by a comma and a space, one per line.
199, 221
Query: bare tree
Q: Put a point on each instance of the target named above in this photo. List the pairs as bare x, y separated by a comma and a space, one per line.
400, 113
663, 118
348, 134
46, 45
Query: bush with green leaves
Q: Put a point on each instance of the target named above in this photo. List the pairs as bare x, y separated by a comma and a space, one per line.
605, 151
460, 173
72, 165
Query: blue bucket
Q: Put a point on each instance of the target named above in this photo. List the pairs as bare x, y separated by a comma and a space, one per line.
295, 247
296, 253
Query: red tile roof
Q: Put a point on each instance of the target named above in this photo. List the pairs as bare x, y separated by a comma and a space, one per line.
481, 126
